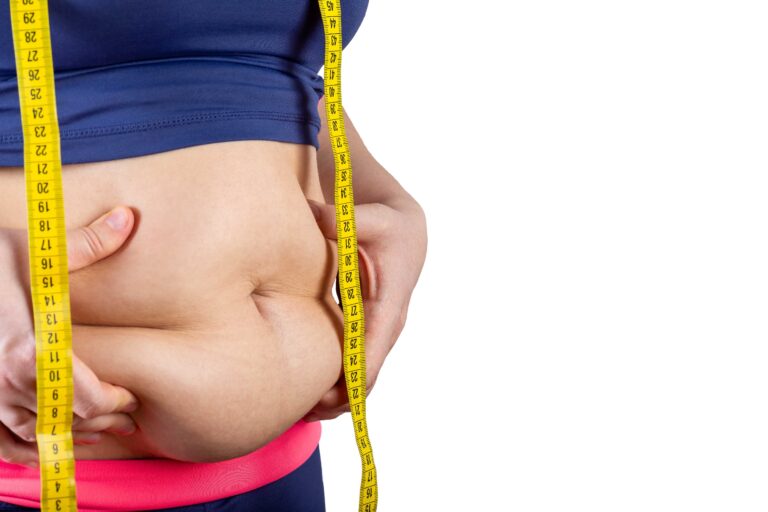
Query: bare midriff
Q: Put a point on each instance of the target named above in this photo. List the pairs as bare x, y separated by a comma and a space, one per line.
217, 312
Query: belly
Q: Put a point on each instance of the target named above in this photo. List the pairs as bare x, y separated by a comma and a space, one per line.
217, 312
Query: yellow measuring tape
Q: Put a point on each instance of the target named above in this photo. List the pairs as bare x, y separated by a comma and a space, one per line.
48, 253
346, 235
48, 265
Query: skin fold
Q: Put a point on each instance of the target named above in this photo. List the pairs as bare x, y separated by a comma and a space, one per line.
217, 312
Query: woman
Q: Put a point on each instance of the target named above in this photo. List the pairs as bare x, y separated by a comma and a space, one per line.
216, 313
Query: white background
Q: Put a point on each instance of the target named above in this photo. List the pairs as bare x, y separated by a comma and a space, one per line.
590, 328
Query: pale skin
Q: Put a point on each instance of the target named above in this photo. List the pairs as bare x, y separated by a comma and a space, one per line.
392, 245
392, 240
98, 406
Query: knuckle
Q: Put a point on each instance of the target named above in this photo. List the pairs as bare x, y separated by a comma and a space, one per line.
92, 247
76, 421
7, 383
19, 423
27, 353
98, 423
19, 363
26, 431
401, 319
90, 410
385, 215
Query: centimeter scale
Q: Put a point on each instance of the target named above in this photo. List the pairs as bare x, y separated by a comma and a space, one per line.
48, 266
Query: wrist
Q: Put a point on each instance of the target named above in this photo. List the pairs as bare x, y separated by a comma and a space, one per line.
401, 201
414, 221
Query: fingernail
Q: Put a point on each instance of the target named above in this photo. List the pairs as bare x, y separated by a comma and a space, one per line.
126, 431
94, 437
118, 219
131, 406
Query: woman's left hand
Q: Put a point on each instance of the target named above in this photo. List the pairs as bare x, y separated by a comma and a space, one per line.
392, 246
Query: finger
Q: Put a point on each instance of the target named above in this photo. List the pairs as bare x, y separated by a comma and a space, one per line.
95, 398
369, 283
336, 401
20, 421
102, 237
372, 220
382, 328
324, 415
325, 215
13, 451
383, 325
332, 404
86, 437
116, 423
334, 398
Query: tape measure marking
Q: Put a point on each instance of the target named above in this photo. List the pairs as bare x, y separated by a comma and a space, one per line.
49, 278
48, 266
349, 275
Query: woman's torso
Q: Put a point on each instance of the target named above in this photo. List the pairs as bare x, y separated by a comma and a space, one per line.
217, 312
177, 108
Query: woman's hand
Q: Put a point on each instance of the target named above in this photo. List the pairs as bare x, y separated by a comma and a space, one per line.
392, 245
98, 406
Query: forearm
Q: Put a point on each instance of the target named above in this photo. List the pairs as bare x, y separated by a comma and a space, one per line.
371, 182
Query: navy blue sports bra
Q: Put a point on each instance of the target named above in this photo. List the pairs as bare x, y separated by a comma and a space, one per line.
145, 76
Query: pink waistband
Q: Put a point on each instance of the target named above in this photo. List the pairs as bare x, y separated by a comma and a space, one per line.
148, 484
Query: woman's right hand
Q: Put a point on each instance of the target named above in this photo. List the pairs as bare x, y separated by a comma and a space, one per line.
98, 406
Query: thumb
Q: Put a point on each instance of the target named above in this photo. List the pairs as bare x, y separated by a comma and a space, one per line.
95, 398
325, 215
372, 220
102, 237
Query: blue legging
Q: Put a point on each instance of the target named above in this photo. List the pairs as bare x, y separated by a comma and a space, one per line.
299, 491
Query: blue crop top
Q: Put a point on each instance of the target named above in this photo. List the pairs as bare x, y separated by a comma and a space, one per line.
147, 76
